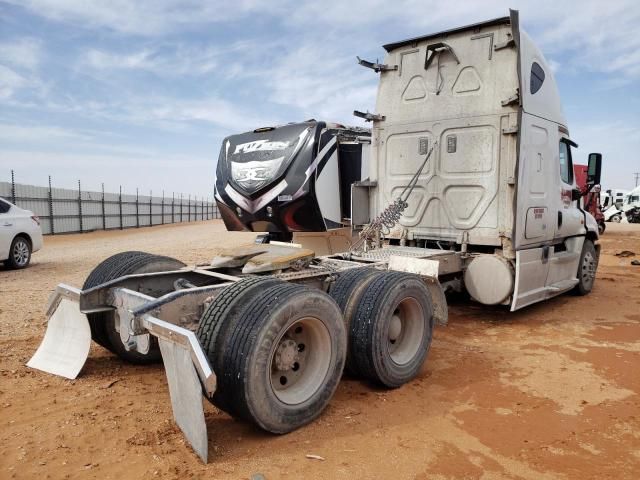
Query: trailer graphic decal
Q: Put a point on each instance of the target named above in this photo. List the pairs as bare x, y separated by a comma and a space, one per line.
260, 146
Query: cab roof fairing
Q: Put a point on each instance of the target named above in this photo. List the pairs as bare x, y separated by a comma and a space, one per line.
474, 26
546, 102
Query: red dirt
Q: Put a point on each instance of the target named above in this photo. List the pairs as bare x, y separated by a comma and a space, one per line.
547, 392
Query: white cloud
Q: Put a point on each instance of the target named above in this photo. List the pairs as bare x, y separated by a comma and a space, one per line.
140, 17
30, 133
178, 60
21, 53
10, 81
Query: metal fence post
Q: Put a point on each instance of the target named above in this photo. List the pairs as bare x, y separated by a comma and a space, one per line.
13, 188
180, 208
189, 208
80, 206
137, 210
120, 206
150, 207
173, 201
162, 222
51, 220
104, 216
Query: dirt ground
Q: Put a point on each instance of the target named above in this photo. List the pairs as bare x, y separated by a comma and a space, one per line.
547, 392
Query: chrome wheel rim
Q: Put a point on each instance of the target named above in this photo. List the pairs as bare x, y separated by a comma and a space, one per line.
300, 361
405, 332
21, 253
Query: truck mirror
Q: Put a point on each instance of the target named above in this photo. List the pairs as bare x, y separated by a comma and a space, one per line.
594, 169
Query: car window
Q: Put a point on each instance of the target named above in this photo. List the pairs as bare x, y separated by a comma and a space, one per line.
566, 168
4, 206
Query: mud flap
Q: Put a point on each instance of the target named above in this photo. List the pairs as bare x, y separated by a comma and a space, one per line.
185, 390
65, 347
438, 301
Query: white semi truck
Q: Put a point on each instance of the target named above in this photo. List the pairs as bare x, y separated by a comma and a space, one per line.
626, 210
465, 183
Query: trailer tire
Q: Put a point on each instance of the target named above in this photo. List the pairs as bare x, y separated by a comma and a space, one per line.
102, 324
617, 218
347, 291
284, 358
586, 269
220, 318
391, 331
602, 226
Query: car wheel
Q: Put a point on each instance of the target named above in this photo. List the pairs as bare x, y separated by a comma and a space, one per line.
19, 253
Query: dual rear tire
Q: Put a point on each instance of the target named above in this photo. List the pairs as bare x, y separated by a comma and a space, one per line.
389, 321
278, 350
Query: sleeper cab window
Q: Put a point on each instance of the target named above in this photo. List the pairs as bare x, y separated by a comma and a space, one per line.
537, 78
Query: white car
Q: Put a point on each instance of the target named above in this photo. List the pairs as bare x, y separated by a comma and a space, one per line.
20, 235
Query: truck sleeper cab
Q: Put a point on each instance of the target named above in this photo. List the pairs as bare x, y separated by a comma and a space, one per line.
500, 180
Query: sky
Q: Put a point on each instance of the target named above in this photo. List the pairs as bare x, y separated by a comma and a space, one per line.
141, 93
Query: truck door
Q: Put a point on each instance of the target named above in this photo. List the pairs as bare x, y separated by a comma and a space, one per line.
568, 225
535, 204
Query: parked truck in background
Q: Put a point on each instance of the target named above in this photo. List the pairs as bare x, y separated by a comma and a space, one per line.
466, 183
625, 210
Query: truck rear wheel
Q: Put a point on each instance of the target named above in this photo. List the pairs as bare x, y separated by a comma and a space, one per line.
220, 318
586, 269
284, 357
347, 291
103, 324
391, 330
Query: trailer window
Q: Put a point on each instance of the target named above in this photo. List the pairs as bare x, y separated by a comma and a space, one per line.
566, 168
537, 78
